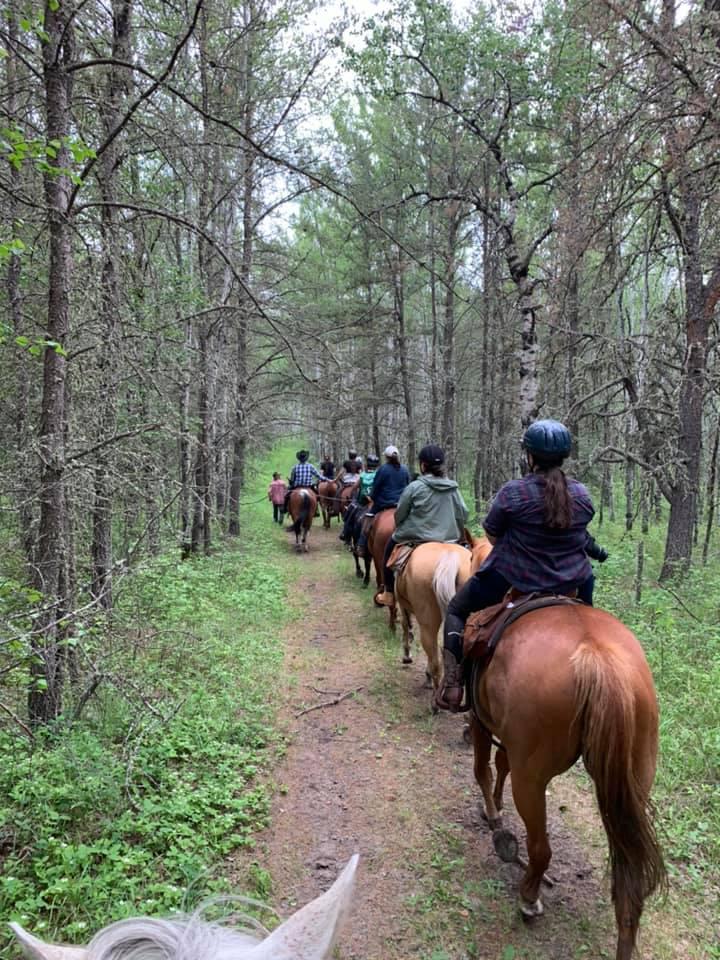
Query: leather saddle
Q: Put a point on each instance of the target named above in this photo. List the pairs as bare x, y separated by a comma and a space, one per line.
484, 629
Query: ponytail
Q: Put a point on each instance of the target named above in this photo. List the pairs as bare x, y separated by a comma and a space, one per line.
557, 500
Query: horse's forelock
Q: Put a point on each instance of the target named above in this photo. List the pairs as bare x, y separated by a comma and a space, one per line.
148, 939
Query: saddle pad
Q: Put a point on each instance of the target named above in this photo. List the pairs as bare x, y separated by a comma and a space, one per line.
484, 628
400, 555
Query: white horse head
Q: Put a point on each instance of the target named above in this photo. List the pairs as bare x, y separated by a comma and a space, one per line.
309, 934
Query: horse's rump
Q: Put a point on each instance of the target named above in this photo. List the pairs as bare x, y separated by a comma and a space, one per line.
568, 681
302, 505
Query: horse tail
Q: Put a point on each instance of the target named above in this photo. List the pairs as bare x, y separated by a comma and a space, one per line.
607, 710
444, 581
304, 513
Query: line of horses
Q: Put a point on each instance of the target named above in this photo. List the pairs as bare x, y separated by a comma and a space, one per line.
566, 682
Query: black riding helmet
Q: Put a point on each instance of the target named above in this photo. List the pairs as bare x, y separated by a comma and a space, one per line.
352, 454
432, 455
372, 460
302, 455
548, 440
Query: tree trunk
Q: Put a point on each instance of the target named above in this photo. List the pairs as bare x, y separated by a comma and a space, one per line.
46, 677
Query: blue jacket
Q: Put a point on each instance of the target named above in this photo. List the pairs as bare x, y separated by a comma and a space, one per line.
389, 483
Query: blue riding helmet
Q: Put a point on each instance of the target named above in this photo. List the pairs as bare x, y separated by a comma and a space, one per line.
548, 439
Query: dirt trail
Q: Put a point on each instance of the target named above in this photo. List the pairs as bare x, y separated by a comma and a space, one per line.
376, 773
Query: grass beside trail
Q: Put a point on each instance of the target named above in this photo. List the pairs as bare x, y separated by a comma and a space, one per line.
132, 808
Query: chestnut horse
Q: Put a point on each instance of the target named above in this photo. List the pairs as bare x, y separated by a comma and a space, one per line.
302, 507
568, 682
329, 501
432, 576
382, 528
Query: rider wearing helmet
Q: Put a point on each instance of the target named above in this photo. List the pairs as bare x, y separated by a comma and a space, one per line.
430, 508
538, 527
390, 481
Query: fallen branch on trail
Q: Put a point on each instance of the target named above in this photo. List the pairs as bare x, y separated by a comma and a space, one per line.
328, 703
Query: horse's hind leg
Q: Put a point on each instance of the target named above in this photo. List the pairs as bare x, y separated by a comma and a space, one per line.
407, 636
482, 745
529, 796
502, 768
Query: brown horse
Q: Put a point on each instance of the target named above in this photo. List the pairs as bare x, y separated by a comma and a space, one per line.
302, 507
329, 501
433, 575
382, 528
569, 682
346, 494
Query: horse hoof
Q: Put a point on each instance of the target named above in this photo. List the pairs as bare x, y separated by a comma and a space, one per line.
467, 737
358, 574
407, 659
530, 911
494, 824
506, 845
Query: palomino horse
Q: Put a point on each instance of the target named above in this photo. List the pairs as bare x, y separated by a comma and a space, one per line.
302, 507
432, 576
310, 934
568, 682
329, 501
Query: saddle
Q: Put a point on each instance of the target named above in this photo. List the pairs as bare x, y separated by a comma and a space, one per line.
400, 556
484, 628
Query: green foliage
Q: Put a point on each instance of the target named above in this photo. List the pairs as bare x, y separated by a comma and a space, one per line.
131, 809
678, 626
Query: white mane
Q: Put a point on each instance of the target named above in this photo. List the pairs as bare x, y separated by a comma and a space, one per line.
308, 935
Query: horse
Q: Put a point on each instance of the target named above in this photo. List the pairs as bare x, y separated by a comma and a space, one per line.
346, 494
567, 682
309, 934
302, 506
381, 529
329, 502
432, 576
355, 532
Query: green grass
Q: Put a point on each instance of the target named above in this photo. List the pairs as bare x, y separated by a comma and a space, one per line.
133, 808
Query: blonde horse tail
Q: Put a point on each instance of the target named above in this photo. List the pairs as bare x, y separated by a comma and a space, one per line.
607, 709
444, 581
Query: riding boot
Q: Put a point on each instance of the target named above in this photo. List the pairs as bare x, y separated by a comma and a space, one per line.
450, 694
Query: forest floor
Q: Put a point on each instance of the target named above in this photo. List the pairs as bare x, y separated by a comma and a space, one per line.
378, 774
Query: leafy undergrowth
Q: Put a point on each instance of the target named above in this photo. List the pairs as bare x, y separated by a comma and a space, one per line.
678, 624
132, 808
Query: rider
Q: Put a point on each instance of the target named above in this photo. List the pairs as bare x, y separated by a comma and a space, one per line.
347, 473
328, 467
303, 474
360, 496
538, 527
430, 508
390, 481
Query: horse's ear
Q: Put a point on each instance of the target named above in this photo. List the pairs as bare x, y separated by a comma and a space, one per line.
469, 538
36, 949
310, 933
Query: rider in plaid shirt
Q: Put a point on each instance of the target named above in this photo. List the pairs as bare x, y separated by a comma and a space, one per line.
303, 474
